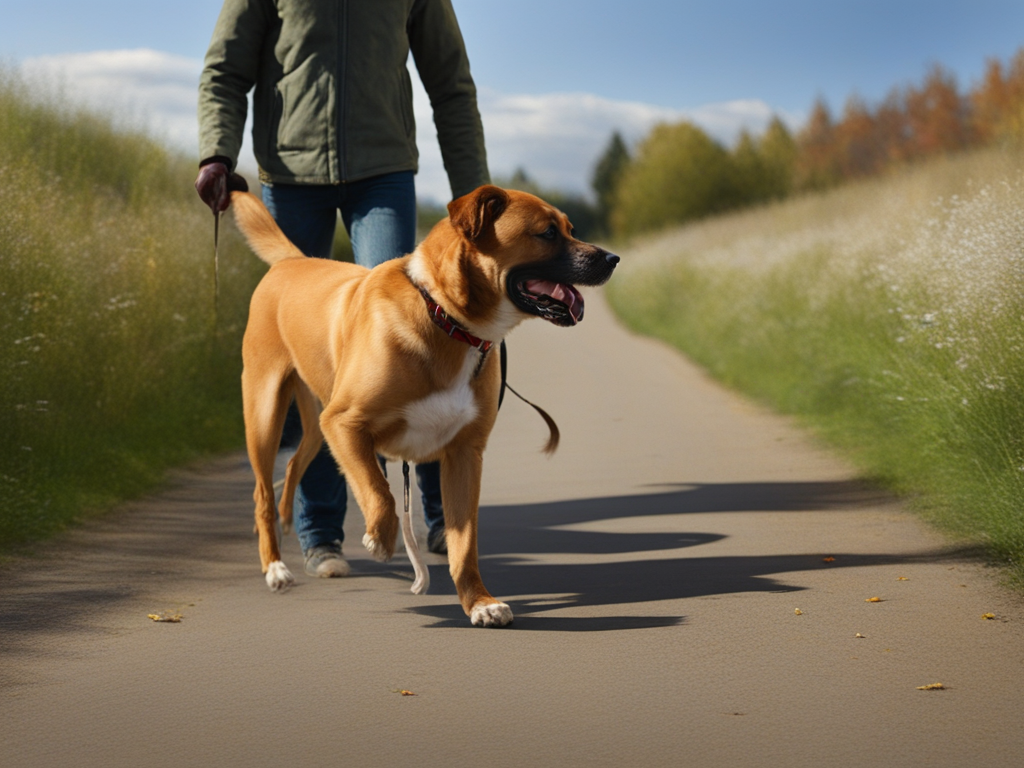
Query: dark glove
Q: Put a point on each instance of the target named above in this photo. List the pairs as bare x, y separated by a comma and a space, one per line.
212, 186
215, 183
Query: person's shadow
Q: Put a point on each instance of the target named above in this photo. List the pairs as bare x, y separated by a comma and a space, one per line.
510, 535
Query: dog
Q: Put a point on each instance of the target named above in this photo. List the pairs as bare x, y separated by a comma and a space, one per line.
398, 361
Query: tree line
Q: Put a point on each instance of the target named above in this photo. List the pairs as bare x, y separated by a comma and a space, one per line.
678, 173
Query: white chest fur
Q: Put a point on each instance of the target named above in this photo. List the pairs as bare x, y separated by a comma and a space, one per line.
433, 421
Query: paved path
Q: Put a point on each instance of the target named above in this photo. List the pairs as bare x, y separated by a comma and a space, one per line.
655, 567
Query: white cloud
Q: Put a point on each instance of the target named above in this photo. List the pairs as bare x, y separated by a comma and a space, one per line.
142, 88
556, 138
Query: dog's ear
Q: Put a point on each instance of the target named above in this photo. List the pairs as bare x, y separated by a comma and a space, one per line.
475, 213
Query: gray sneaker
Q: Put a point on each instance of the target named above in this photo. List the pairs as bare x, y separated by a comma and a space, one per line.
437, 541
326, 561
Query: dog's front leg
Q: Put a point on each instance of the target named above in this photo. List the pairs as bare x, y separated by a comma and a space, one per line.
353, 448
461, 469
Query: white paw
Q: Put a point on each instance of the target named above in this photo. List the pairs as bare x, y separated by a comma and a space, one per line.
422, 582
375, 548
492, 615
279, 578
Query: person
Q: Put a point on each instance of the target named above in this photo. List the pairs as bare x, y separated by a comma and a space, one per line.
333, 131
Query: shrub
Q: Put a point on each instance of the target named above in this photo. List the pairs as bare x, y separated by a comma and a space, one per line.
679, 174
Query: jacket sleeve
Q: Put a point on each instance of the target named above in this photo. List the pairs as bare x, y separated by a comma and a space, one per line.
229, 73
441, 60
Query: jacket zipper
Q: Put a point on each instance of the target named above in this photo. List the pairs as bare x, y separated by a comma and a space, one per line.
342, 95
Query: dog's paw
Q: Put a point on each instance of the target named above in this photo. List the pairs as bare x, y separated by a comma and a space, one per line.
421, 583
279, 578
491, 615
375, 548
286, 526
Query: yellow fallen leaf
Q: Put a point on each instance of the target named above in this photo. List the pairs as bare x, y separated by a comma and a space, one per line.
932, 687
828, 559
988, 616
798, 612
402, 691
874, 600
902, 578
174, 618
860, 635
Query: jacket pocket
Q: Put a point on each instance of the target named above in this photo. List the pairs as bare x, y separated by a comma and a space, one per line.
301, 108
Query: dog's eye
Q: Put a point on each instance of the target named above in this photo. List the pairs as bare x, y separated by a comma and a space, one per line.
550, 233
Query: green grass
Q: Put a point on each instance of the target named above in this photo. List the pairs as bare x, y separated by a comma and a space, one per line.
112, 367
888, 315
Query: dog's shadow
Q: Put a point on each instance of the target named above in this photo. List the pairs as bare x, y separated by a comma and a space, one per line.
627, 573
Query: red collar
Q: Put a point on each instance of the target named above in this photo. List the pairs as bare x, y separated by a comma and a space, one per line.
450, 326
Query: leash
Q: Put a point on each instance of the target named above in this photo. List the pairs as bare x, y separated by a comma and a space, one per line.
554, 434
405, 483
234, 183
455, 330
422, 576
504, 373
216, 265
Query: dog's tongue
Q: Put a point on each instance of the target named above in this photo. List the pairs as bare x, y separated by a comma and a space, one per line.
559, 292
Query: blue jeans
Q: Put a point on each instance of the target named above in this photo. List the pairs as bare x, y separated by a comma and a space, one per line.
380, 216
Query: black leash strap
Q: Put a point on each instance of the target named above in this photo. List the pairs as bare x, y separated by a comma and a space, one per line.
555, 435
504, 373
405, 483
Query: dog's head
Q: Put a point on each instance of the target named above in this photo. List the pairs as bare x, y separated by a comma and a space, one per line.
532, 245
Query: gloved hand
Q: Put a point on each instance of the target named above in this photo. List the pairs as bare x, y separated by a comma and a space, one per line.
212, 186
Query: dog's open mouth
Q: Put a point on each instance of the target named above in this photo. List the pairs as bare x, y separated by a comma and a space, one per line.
559, 303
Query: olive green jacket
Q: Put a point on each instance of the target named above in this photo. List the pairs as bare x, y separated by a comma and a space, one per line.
333, 96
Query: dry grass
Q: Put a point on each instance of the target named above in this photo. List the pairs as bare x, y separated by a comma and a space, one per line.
888, 314
112, 367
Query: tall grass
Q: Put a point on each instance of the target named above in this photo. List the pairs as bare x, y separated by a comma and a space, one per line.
112, 367
889, 315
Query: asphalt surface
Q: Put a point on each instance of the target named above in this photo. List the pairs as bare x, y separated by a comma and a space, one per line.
689, 576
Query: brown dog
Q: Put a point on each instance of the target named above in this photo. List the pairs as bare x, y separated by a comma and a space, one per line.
398, 360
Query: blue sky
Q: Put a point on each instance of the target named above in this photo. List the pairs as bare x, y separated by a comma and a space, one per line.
557, 76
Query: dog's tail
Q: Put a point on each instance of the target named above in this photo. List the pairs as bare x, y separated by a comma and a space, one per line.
260, 230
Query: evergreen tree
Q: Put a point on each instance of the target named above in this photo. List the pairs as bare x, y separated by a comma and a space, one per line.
606, 178
777, 151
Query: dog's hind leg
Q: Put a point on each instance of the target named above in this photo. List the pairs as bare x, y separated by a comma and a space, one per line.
461, 469
312, 439
265, 401
353, 448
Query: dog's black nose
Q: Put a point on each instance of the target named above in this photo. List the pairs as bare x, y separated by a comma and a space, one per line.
611, 258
